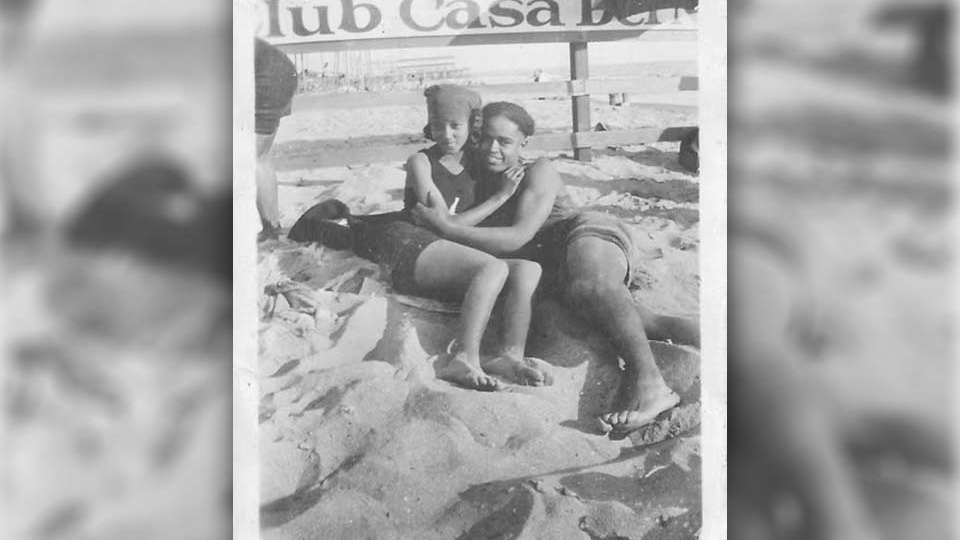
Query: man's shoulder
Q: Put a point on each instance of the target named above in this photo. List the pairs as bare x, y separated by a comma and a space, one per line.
540, 164
543, 174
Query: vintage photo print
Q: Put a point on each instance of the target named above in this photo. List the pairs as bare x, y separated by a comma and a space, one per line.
476, 269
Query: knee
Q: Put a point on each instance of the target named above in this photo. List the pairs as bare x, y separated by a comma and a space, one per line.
587, 290
494, 270
525, 274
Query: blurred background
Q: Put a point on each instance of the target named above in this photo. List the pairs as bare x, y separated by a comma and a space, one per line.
115, 163
115, 160
842, 277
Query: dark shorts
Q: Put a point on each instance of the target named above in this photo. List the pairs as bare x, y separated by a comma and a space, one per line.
399, 245
276, 83
549, 246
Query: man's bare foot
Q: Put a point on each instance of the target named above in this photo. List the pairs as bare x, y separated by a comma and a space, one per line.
638, 404
459, 370
523, 371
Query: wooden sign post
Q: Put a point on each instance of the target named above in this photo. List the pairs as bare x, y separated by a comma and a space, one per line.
580, 70
306, 26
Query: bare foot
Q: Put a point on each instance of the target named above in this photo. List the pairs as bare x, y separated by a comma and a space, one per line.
638, 404
459, 370
519, 371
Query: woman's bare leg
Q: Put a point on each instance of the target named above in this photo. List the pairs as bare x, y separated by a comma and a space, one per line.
517, 312
453, 268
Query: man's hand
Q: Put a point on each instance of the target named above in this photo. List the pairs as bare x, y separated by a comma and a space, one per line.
432, 216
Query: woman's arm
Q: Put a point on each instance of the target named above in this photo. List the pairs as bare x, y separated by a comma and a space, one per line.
420, 181
541, 186
482, 211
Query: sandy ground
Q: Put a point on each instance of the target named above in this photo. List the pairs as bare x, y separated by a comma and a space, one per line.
359, 439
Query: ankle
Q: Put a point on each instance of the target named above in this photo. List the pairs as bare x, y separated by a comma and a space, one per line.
456, 351
646, 380
512, 353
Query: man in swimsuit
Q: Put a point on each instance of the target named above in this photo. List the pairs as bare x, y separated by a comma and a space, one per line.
587, 259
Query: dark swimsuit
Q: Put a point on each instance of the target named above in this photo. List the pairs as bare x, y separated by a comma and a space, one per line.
565, 224
399, 242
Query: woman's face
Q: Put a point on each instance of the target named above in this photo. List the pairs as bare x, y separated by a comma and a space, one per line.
450, 134
500, 144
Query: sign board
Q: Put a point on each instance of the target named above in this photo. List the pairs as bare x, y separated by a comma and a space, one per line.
302, 25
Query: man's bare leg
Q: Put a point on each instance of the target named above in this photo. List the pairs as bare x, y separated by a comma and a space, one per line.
450, 267
517, 312
594, 286
268, 200
682, 330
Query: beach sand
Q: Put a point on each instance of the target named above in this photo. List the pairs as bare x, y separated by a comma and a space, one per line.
359, 439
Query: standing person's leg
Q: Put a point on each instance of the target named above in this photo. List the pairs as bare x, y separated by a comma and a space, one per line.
275, 84
594, 275
268, 203
517, 312
454, 269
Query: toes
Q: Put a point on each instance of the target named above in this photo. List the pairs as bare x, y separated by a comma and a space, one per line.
487, 383
532, 378
539, 376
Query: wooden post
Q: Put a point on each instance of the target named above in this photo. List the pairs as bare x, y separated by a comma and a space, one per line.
579, 69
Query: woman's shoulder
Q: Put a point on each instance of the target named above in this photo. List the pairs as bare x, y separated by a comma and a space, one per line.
419, 160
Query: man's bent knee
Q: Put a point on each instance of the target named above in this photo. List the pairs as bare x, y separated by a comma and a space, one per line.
588, 291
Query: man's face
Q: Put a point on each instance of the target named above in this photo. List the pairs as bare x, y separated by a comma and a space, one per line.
500, 144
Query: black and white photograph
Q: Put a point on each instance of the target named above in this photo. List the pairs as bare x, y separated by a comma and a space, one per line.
474, 240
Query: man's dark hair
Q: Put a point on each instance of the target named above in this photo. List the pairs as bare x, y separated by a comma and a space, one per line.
513, 112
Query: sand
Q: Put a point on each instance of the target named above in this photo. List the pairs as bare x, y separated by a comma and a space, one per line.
359, 439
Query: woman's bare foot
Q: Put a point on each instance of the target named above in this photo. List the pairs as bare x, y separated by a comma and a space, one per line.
461, 371
638, 403
523, 371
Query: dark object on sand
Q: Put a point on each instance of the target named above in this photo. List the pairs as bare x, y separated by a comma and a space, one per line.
321, 224
151, 210
689, 155
932, 66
